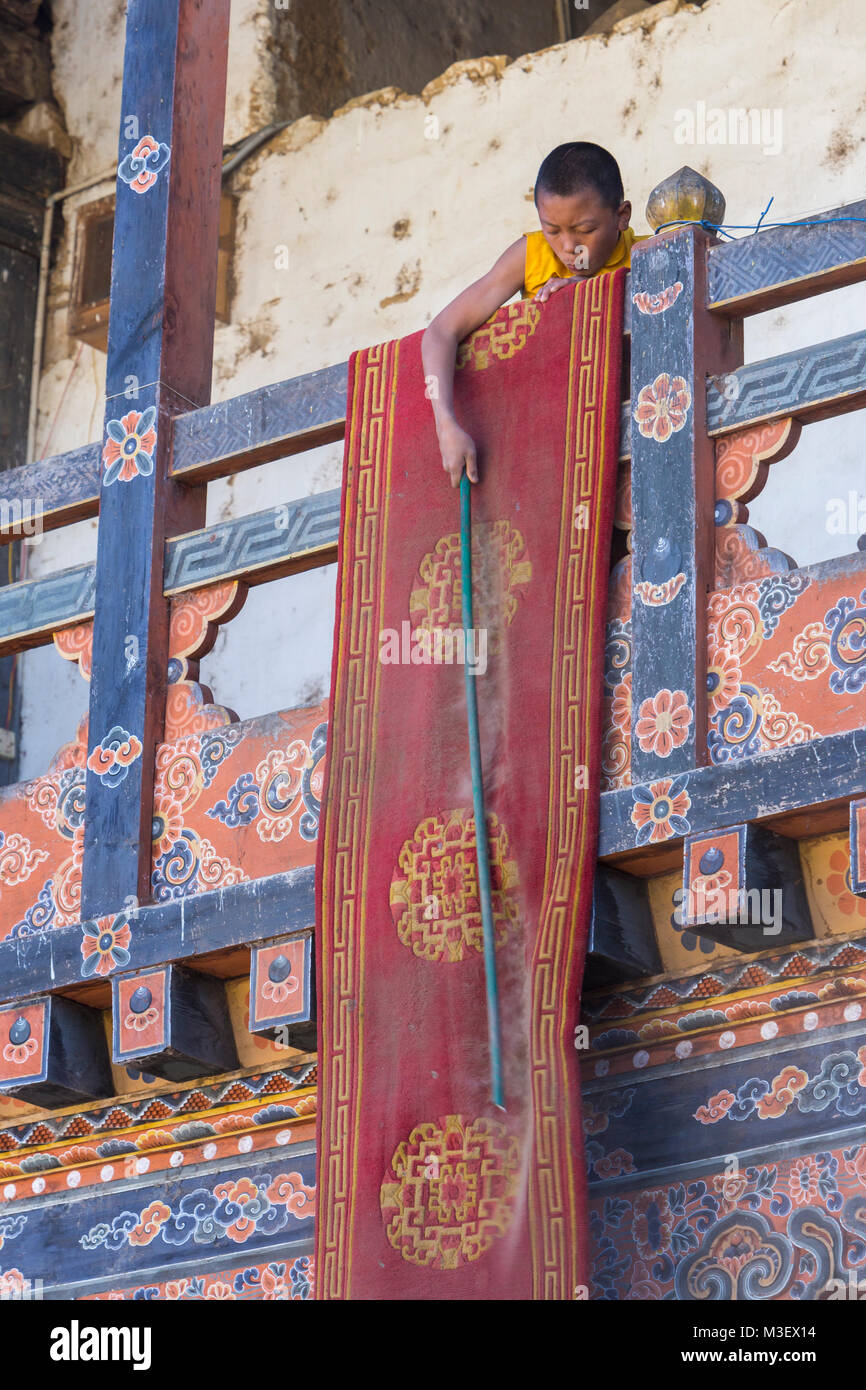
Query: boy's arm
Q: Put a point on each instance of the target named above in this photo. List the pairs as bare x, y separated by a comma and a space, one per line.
461, 317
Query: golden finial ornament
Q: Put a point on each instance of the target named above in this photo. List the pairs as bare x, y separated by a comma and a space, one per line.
685, 196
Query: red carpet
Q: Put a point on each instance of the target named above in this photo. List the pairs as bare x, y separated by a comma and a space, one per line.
426, 1191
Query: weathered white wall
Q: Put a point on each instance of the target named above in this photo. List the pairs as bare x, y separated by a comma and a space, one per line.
386, 214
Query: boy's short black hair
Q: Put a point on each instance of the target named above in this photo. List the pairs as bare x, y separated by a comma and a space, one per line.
578, 165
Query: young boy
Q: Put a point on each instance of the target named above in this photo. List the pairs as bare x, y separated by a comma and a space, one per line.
584, 231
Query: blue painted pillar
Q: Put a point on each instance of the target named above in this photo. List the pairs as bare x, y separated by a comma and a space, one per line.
675, 342
160, 345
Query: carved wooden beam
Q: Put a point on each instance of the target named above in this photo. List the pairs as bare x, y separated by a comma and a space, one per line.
811, 383
810, 783
782, 264
34, 609
743, 887
283, 991
266, 545
622, 942
265, 424
204, 924
55, 492
171, 1023
53, 1052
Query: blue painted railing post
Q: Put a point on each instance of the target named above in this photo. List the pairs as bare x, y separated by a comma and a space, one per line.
160, 343
675, 342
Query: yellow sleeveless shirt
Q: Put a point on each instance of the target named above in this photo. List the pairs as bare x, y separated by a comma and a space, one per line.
542, 263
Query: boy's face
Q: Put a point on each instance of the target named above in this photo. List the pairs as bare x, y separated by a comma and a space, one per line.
581, 229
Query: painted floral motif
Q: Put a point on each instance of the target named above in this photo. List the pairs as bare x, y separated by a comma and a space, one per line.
847, 624
838, 1084
280, 1280
663, 407
763, 1232
286, 785
659, 595
776, 594
140, 169
620, 707
617, 654
236, 1209
19, 1053
104, 948
809, 656
658, 303
138, 1022
278, 991
663, 722
723, 678
42, 825
13, 1284
10, 1227
735, 730
652, 1224
660, 808
129, 447
805, 1179
838, 885
191, 865
112, 758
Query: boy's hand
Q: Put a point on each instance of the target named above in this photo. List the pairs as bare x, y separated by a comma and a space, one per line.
552, 285
457, 448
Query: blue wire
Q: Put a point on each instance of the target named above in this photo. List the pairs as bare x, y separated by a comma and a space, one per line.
764, 213
482, 851
726, 227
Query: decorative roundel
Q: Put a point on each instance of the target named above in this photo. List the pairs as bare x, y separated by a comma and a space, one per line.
140, 1000
662, 562
711, 860
19, 1032
451, 1191
723, 512
279, 969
